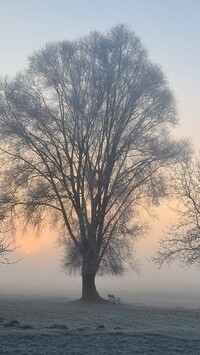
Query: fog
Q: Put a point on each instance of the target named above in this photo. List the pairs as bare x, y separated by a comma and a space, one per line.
40, 272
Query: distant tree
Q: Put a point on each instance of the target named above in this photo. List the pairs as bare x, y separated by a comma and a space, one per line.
6, 248
85, 144
182, 242
7, 242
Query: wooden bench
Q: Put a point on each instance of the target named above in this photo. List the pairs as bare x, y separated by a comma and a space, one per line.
114, 299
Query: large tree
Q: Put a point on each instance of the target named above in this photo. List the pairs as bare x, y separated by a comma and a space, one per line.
85, 143
182, 241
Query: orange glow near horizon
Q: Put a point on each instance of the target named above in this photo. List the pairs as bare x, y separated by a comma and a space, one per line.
31, 243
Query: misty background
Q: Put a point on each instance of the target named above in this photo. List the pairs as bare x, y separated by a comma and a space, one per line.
170, 31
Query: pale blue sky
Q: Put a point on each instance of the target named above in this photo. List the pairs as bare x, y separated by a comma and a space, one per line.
170, 30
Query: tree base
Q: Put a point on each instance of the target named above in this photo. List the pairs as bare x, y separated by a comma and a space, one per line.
89, 292
98, 300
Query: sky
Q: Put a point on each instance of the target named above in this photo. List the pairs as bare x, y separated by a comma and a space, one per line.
170, 31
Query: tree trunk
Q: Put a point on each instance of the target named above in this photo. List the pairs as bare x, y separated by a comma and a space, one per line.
89, 292
89, 270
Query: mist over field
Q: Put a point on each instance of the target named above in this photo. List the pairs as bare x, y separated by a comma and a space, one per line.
35, 275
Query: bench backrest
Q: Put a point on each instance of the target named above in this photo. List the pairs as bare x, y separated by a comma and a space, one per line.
111, 297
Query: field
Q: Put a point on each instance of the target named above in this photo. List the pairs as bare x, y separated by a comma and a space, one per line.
39, 325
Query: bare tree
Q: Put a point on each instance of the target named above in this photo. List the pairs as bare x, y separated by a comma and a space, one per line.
7, 241
85, 144
182, 242
6, 248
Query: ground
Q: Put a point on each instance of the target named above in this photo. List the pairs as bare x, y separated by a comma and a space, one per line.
40, 326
